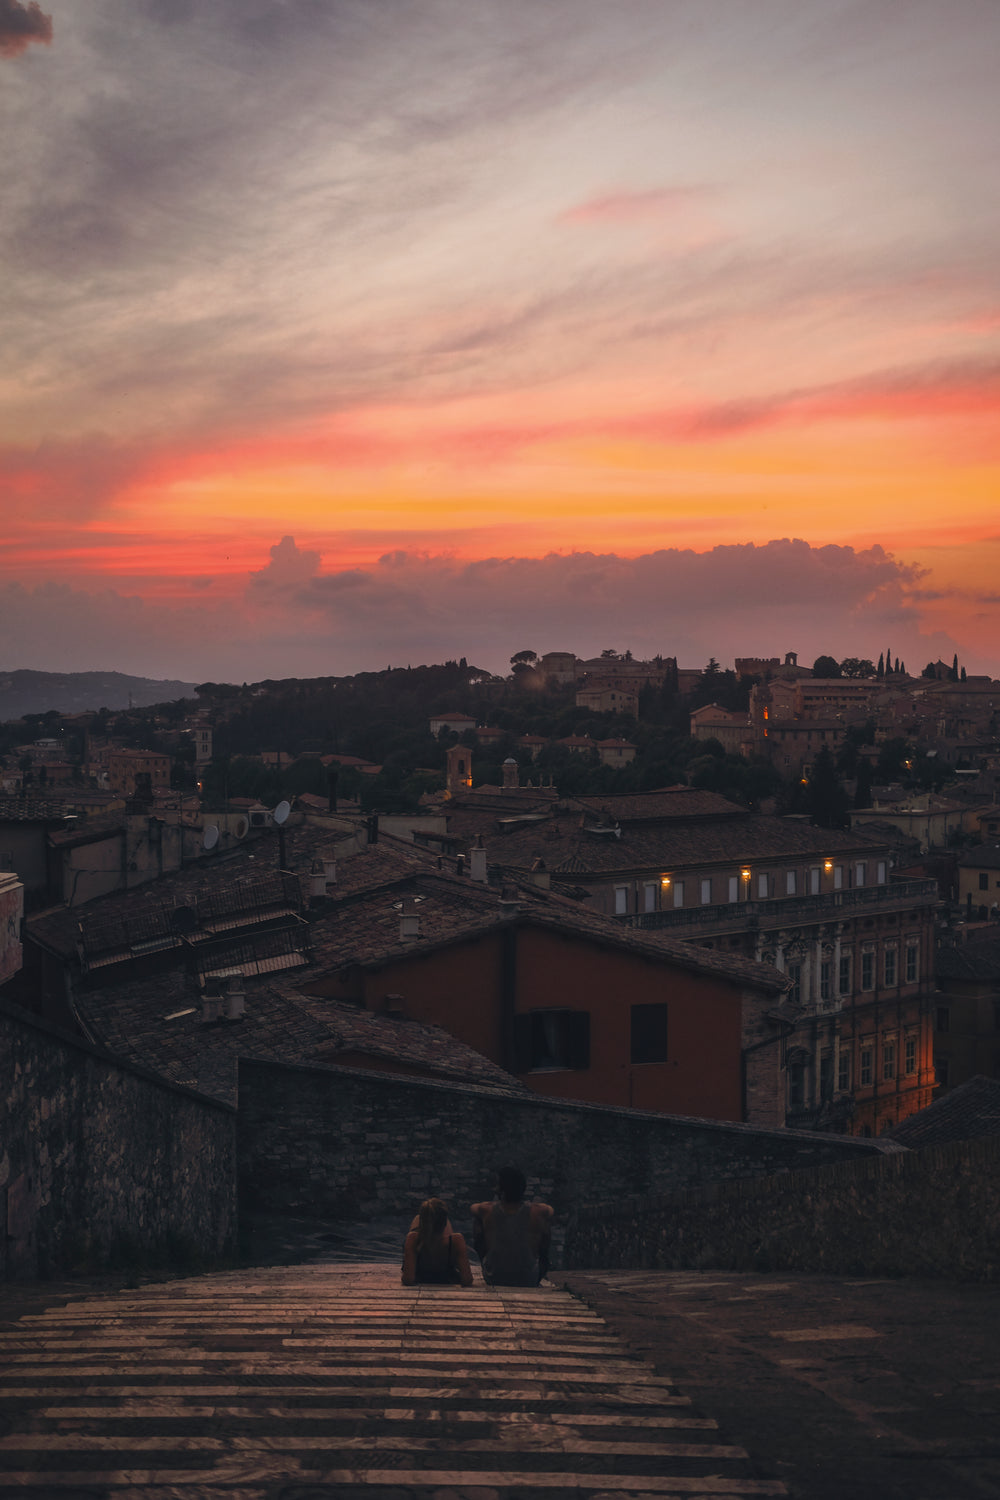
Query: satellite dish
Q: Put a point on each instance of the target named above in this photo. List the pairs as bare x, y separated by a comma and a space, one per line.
281, 812
211, 837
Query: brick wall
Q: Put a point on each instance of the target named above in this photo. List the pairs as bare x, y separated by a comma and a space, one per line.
933, 1212
343, 1143
101, 1163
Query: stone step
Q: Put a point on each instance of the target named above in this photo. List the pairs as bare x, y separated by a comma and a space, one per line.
335, 1381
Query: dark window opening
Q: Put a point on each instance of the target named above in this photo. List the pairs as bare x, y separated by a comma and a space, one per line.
552, 1039
649, 1033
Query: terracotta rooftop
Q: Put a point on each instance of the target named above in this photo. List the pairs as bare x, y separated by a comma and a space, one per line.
366, 930
977, 959
983, 857
963, 1114
155, 1021
568, 848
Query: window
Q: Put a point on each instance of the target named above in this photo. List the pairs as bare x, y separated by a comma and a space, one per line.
838, 877
706, 892
889, 1058
844, 1072
880, 872
941, 1070
996, 1015
734, 888
814, 879
912, 963
649, 895
621, 900
796, 1086
844, 976
649, 1034
866, 1067
868, 970
859, 873
552, 1039
889, 966
762, 888
984, 881
910, 1055
942, 1018
794, 972
824, 980
790, 882
678, 893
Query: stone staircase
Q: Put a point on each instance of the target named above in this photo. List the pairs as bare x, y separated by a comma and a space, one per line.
309, 1382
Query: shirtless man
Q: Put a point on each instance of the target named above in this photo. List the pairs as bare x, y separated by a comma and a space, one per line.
511, 1236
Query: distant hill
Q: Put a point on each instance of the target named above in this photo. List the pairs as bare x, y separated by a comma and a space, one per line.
71, 692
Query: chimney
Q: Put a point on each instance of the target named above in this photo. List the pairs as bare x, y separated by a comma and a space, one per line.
540, 875
211, 1002
510, 776
409, 920
330, 871
235, 998
477, 861
317, 881
459, 864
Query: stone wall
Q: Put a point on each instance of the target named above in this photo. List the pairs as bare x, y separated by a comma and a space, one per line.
103, 1164
344, 1143
934, 1212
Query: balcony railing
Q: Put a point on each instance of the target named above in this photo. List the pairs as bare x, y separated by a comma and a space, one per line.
735, 916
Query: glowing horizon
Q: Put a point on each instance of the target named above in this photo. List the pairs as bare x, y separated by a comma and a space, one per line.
502, 346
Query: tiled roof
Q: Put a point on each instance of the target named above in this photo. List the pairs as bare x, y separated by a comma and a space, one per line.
964, 1114
31, 810
242, 868
569, 849
667, 803
452, 909
977, 959
156, 1022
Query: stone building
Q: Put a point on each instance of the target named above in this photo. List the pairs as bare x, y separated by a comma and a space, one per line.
821, 905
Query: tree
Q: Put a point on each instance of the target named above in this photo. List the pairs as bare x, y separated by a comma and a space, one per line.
953, 674
609, 654
826, 801
880, 669
826, 666
857, 666
527, 657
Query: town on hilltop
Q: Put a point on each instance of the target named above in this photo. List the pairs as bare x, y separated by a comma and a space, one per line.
764, 897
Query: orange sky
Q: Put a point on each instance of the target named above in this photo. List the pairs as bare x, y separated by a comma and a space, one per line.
610, 281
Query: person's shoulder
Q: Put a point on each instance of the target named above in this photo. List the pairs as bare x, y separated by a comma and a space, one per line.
542, 1210
481, 1210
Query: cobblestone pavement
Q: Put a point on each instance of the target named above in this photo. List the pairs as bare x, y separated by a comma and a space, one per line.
331, 1380
854, 1388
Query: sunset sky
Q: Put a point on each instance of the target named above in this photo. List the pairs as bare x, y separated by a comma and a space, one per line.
341, 333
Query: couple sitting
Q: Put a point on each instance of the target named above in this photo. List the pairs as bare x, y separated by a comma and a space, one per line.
510, 1236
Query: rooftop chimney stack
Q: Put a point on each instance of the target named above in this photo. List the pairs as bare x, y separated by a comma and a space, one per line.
317, 881
477, 861
409, 920
235, 998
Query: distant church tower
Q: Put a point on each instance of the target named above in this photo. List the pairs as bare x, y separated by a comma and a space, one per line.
510, 777
459, 774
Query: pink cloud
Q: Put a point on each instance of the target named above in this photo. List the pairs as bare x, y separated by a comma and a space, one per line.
22, 24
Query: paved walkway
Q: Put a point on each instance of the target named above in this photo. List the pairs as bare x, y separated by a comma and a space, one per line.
332, 1380
855, 1388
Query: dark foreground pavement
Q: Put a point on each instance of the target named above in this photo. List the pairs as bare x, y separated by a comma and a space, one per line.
850, 1389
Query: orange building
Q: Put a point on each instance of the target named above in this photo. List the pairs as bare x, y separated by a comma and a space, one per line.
572, 1005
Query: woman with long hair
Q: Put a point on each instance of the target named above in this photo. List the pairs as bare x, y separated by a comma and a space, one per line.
432, 1252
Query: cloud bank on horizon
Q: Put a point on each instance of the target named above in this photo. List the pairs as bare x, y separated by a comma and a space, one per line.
519, 318
296, 619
